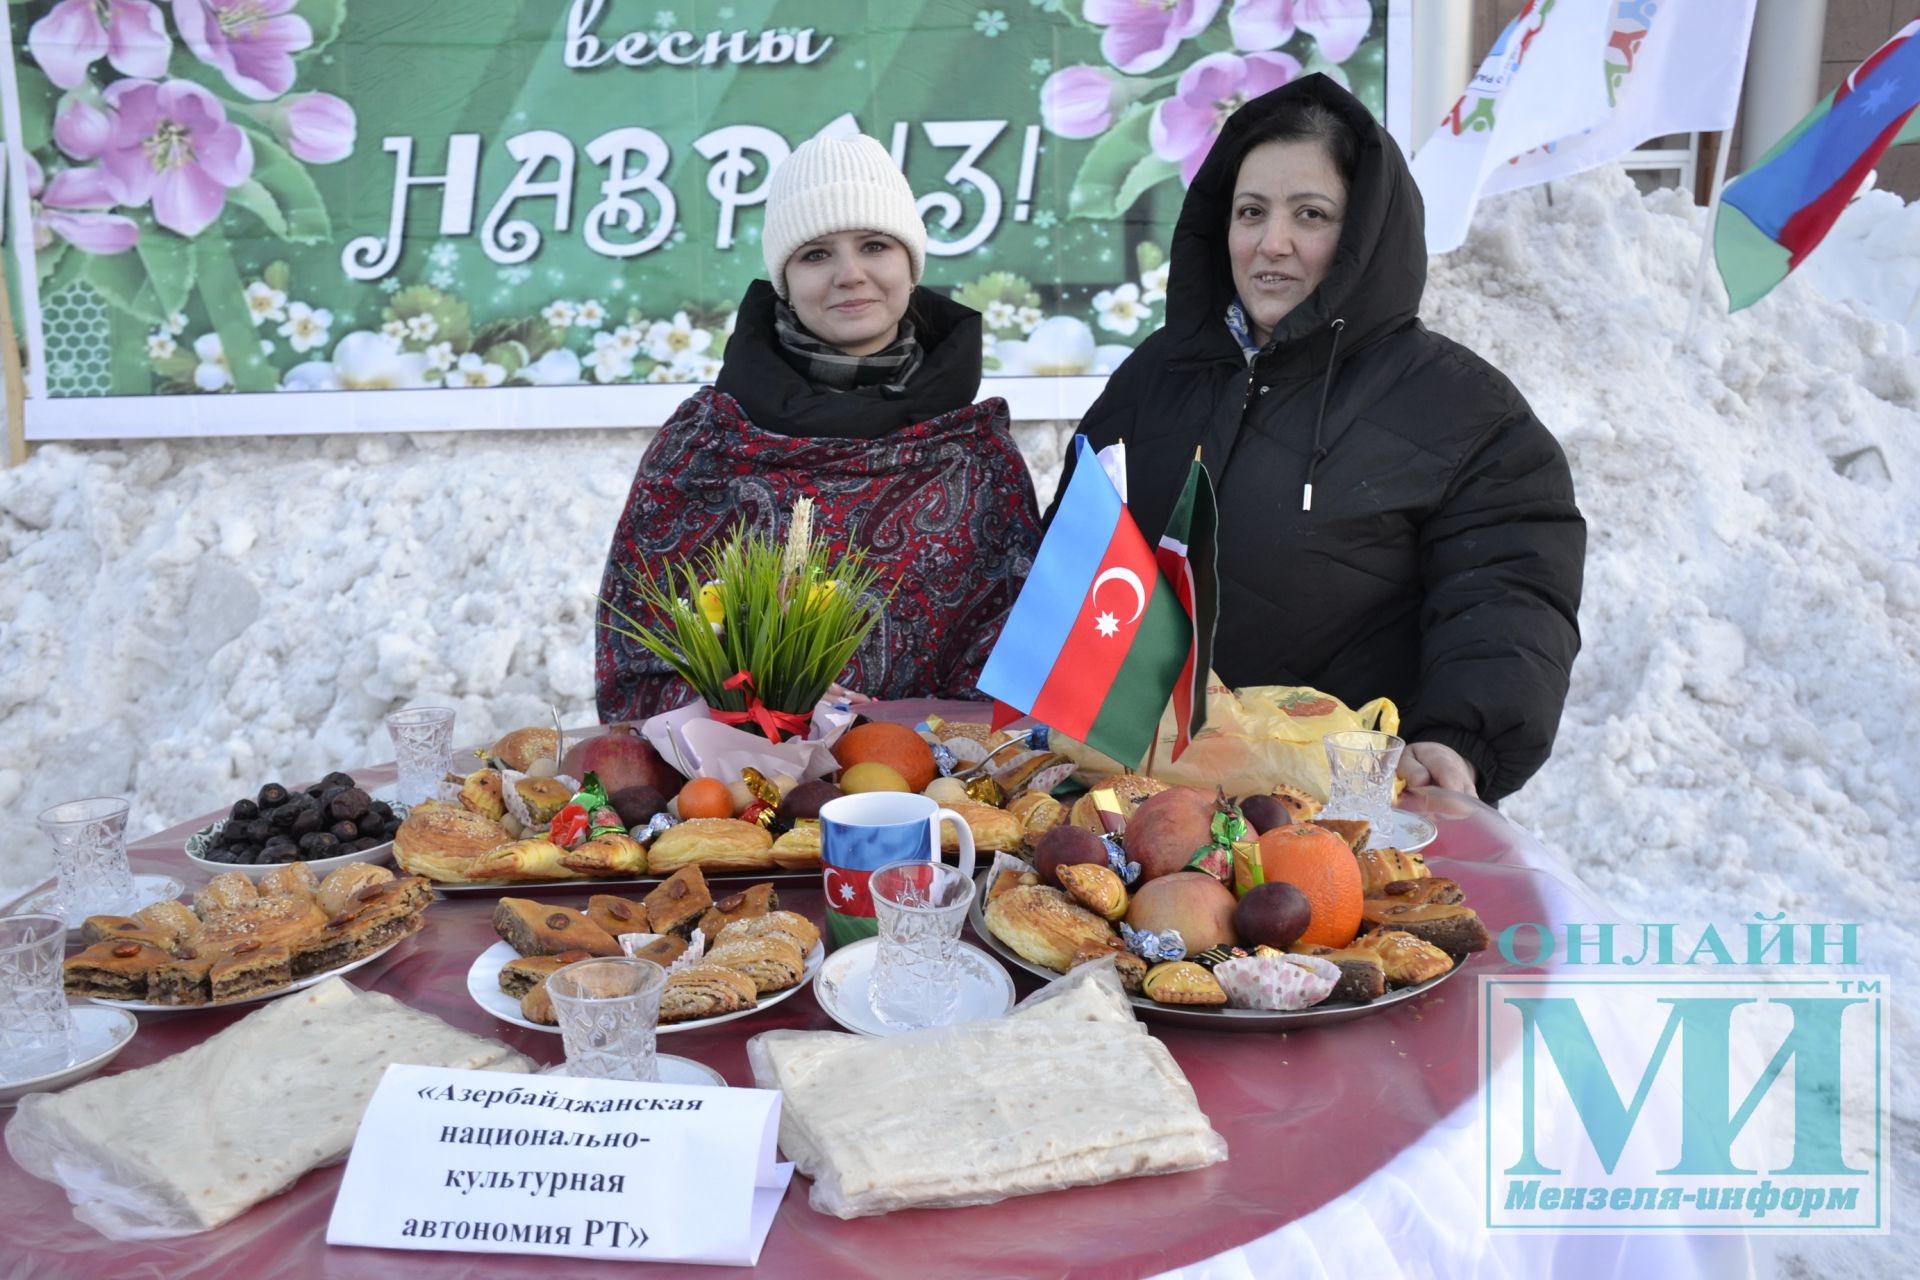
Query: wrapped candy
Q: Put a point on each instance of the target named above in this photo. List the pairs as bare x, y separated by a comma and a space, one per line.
944, 760
766, 798
658, 823
1129, 872
1153, 947
1217, 859
1282, 983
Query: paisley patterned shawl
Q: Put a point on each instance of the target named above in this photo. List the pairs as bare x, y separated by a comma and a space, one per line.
944, 507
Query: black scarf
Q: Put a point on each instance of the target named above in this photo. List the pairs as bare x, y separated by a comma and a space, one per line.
778, 397
831, 369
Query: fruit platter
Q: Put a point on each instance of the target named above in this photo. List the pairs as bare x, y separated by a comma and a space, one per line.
1237, 914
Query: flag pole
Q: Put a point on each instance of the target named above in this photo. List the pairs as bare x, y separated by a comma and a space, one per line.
1706, 239
14, 381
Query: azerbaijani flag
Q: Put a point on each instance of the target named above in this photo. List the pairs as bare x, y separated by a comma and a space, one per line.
1186, 555
849, 900
1775, 214
1097, 638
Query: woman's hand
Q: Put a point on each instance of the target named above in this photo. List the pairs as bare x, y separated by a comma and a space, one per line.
1432, 764
836, 694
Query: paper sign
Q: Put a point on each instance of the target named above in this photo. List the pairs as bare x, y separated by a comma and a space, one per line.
469, 1161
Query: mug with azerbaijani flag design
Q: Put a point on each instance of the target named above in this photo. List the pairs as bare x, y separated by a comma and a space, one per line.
859, 834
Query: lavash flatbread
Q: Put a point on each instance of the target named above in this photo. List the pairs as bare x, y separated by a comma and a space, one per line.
965, 1144
196, 1139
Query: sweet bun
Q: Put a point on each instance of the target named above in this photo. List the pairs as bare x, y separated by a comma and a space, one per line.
294, 878
1046, 927
994, 830
339, 891
713, 844
798, 849
442, 843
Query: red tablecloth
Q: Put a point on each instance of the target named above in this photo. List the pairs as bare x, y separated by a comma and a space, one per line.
1307, 1116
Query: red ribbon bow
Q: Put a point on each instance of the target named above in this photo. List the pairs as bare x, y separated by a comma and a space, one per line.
771, 722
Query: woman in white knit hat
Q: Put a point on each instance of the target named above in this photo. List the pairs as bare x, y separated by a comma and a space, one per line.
846, 382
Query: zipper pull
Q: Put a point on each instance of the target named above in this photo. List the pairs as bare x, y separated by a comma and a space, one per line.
1306, 497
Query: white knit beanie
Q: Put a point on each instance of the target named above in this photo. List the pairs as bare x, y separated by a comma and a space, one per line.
830, 185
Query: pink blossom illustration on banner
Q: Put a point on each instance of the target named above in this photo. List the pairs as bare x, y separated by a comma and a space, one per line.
317, 127
250, 42
1141, 37
1079, 102
75, 34
1185, 125
173, 144
73, 206
82, 126
1337, 26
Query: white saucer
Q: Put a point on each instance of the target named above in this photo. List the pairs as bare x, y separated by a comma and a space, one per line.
674, 1069
986, 991
99, 1034
147, 890
1407, 832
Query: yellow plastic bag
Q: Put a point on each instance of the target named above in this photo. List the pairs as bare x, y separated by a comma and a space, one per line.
1256, 739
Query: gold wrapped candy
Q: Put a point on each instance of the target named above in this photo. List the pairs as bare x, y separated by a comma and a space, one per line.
766, 798
984, 790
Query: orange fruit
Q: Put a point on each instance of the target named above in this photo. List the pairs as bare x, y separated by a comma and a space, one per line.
1320, 865
710, 798
894, 745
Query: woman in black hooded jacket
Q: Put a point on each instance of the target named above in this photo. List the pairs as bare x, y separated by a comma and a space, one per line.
1393, 519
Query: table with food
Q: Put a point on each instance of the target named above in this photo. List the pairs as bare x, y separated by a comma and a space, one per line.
1206, 1017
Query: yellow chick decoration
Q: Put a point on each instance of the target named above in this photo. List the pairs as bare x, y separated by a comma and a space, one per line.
711, 608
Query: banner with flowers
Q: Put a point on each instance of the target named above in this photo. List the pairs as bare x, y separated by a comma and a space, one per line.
560, 200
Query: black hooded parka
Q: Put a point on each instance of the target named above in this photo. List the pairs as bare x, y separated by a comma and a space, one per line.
1440, 563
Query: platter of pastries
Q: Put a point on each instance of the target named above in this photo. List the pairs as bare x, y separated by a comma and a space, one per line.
727, 956
240, 941
1304, 922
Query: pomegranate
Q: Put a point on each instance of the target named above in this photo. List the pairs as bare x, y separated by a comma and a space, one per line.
621, 758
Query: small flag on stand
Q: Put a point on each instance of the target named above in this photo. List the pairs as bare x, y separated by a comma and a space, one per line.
1776, 213
1097, 639
1186, 556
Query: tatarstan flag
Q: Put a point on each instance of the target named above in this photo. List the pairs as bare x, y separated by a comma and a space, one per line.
1186, 556
1097, 639
1775, 214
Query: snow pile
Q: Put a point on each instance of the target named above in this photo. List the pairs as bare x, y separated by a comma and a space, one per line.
1871, 258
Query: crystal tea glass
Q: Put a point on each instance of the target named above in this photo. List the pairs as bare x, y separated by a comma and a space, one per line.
423, 750
608, 1012
36, 1030
1360, 767
90, 856
919, 907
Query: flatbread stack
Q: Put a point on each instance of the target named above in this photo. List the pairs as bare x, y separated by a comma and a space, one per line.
962, 1144
196, 1139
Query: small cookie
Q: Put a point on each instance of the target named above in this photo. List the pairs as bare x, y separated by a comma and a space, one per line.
1182, 982
1094, 887
774, 964
617, 915
790, 925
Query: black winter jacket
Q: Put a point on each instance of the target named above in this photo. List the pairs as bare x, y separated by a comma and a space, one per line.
1440, 563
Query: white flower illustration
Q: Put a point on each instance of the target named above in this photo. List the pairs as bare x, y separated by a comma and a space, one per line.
1120, 309
423, 327
1029, 318
177, 323
608, 362
1153, 284
212, 373
559, 314
160, 345
306, 327
472, 371
674, 340
630, 339
362, 361
264, 303
591, 314
439, 356
396, 330
554, 369
999, 315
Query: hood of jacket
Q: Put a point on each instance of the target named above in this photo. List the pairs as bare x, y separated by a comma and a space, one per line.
777, 398
1379, 270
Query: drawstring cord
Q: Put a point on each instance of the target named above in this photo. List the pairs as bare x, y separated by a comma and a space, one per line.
1319, 417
